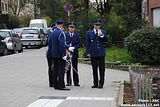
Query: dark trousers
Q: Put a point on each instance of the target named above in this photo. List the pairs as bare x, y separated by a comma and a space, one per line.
50, 71
58, 72
75, 72
98, 62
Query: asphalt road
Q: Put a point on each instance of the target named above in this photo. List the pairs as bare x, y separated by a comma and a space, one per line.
24, 83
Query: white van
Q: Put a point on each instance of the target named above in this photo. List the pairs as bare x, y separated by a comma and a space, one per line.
40, 23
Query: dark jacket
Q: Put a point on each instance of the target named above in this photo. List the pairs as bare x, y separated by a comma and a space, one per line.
94, 44
56, 44
74, 41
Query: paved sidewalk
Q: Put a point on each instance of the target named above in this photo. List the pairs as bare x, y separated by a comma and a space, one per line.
24, 79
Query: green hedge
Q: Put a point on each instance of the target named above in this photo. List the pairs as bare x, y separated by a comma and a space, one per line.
144, 45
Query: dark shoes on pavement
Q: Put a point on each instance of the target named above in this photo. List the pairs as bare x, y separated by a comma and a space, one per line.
74, 85
68, 84
94, 86
97, 86
51, 85
65, 89
100, 86
77, 85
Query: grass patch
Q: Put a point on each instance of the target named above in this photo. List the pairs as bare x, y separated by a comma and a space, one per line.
118, 54
81, 52
112, 54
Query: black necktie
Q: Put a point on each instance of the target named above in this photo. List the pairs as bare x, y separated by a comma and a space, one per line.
71, 35
96, 32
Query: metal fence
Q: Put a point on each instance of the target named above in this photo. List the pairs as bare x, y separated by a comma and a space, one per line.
145, 83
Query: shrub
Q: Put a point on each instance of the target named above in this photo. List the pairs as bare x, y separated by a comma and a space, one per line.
49, 20
144, 45
13, 22
116, 29
25, 19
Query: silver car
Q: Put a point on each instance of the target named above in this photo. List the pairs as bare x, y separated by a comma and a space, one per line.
33, 37
12, 40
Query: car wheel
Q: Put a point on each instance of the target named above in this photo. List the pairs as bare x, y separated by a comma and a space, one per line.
21, 49
14, 50
40, 46
26, 47
5, 51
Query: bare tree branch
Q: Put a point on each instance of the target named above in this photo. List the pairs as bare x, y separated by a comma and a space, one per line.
15, 6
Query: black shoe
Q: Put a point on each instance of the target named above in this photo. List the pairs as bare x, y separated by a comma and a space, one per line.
65, 89
56, 88
94, 86
51, 86
77, 85
68, 84
100, 86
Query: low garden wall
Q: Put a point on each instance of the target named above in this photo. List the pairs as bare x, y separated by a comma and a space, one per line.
145, 85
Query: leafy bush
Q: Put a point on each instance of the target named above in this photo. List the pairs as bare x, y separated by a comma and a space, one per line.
25, 19
116, 29
13, 22
144, 45
49, 20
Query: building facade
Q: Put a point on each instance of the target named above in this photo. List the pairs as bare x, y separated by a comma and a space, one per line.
4, 6
3, 13
151, 12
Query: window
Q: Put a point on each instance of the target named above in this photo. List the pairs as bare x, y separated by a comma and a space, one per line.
6, 6
2, 6
156, 19
30, 31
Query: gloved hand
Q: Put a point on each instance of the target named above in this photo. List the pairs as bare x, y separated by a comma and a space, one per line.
100, 34
88, 55
71, 49
64, 57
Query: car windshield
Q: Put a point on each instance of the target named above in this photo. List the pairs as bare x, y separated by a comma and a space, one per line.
30, 31
4, 34
18, 30
39, 25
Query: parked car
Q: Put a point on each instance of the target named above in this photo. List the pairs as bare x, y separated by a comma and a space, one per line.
3, 47
18, 31
33, 37
12, 40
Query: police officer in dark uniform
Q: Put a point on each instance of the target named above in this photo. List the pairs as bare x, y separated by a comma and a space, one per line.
57, 49
53, 26
73, 40
49, 60
96, 51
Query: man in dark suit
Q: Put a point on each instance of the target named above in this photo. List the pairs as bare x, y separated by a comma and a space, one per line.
49, 60
73, 40
57, 49
95, 49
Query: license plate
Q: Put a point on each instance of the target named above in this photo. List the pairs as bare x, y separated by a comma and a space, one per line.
29, 37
